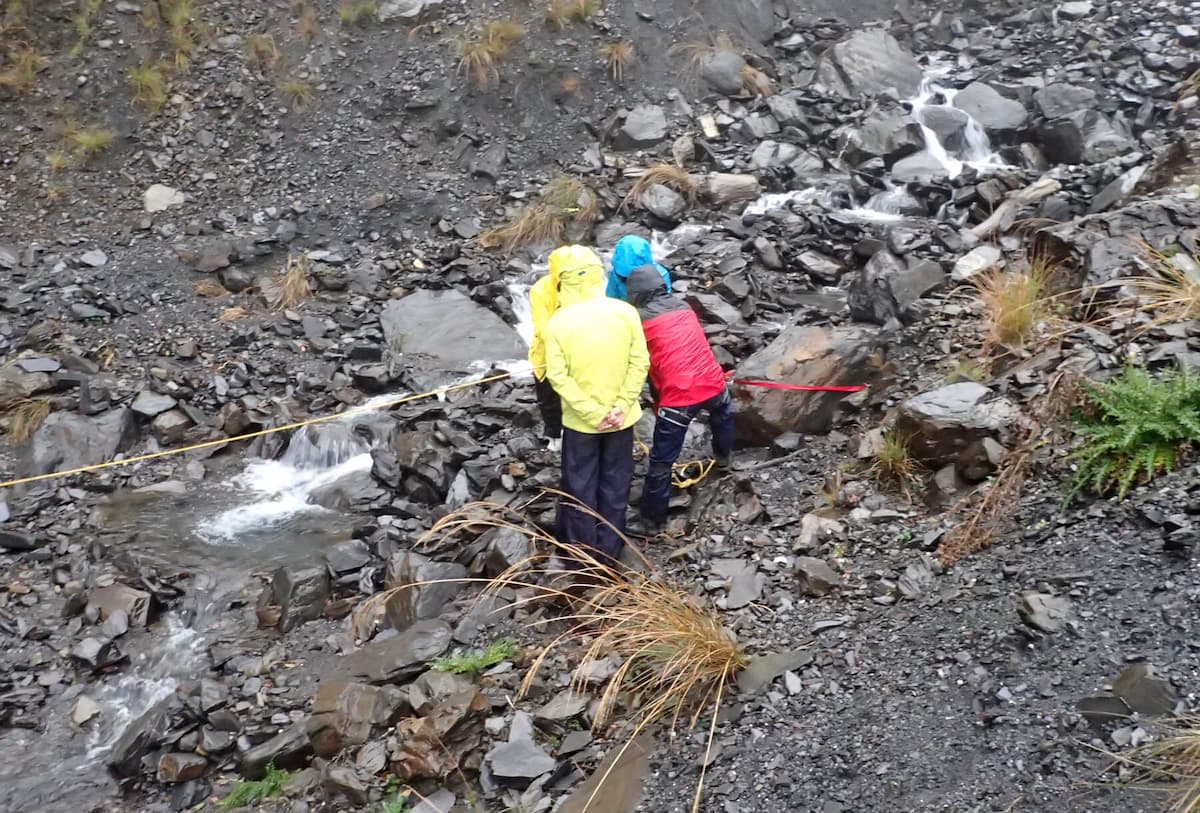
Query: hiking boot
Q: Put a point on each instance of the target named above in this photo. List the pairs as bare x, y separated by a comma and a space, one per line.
645, 527
724, 465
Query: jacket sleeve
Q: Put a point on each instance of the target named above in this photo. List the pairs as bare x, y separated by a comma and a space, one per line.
567, 387
639, 365
540, 311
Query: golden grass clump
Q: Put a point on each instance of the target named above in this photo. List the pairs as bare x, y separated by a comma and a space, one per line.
668, 175
756, 83
149, 86
1014, 302
209, 288
25, 418
262, 53
894, 463
564, 12
1170, 764
294, 286
82, 22
23, 66
1171, 289
694, 52
298, 94
308, 25
88, 142
233, 314
480, 54
352, 12
1188, 88
57, 161
678, 661
618, 56
561, 202
185, 32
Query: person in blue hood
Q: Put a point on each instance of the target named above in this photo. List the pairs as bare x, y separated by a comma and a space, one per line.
631, 252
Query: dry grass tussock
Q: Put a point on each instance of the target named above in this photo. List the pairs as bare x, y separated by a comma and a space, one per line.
209, 288
1170, 290
677, 659
618, 56
148, 83
1188, 88
25, 418
355, 12
233, 314
262, 53
298, 94
1170, 764
87, 142
668, 175
22, 66
894, 464
561, 202
481, 52
562, 13
308, 25
1015, 303
294, 286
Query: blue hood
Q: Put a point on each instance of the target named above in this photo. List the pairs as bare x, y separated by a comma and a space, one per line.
631, 252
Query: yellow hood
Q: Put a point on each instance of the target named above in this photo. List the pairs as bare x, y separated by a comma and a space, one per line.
579, 274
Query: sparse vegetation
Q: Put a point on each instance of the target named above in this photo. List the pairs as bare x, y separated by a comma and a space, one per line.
233, 314
693, 53
1169, 763
88, 142
1171, 289
262, 53
561, 202
1134, 427
308, 26
57, 161
968, 369
25, 418
24, 65
293, 282
354, 12
148, 84
894, 463
667, 175
756, 83
618, 56
248, 792
185, 33
83, 20
475, 663
394, 804
1014, 303
564, 12
480, 54
298, 94
1188, 88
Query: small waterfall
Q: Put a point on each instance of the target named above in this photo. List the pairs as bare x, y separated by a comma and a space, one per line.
977, 149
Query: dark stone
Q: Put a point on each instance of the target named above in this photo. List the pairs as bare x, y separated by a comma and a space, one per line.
889, 286
289, 750
301, 594
174, 768
869, 62
138, 739
345, 714
398, 658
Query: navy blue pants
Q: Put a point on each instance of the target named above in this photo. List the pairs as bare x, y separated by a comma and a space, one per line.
670, 430
597, 470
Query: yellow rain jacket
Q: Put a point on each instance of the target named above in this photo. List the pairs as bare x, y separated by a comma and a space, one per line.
543, 302
596, 355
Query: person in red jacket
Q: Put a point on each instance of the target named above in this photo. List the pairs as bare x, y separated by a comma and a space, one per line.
685, 380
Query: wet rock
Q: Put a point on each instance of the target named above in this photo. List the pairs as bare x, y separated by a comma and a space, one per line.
663, 202
1144, 691
17, 541
1044, 612
429, 586
520, 761
174, 768
139, 738
446, 330
995, 113
96, 653
300, 593
869, 62
979, 260
951, 423
821, 268
289, 750
817, 578
1057, 100
645, 126
722, 70
712, 309
949, 124
1083, 136
720, 188
889, 286
888, 132
356, 493
348, 556
159, 198
151, 404
345, 714
171, 426
920, 168
400, 657
66, 440
116, 625
823, 356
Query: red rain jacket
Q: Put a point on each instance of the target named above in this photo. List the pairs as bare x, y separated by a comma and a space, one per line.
683, 370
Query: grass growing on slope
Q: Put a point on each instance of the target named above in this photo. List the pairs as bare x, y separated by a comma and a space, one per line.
667, 175
25, 418
1014, 303
894, 463
149, 86
88, 142
481, 52
1170, 764
1171, 291
1134, 427
475, 663
564, 12
618, 56
22, 67
561, 202
248, 792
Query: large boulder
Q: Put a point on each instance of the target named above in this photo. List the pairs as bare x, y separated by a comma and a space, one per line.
889, 286
830, 356
949, 124
961, 424
722, 70
995, 113
869, 62
403, 656
67, 440
422, 587
16, 385
1058, 100
922, 168
1085, 136
645, 126
889, 132
446, 331
300, 593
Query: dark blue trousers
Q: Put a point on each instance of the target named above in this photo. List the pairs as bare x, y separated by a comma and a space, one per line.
670, 430
598, 471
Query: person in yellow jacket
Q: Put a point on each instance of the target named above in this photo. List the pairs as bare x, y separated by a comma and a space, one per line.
543, 302
597, 362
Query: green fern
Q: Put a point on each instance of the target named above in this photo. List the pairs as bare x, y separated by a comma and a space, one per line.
474, 663
247, 792
1136, 428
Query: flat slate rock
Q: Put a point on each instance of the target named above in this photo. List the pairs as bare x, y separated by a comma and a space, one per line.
398, 658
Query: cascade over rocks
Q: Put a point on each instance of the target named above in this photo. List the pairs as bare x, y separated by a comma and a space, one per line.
995, 113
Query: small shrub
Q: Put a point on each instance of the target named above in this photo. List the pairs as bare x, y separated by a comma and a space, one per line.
480, 54
1014, 303
24, 65
894, 463
149, 86
25, 418
667, 175
561, 202
564, 12
247, 792
618, 56
88, 143
351, 12
475, 663
262, 53
1134, 427
394, 804
298, 94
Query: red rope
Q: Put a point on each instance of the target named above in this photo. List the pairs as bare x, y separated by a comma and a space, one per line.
772, 385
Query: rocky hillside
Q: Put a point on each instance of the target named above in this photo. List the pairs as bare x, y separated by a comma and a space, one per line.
221, 217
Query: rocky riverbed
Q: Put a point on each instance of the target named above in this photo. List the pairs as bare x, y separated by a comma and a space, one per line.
174, 626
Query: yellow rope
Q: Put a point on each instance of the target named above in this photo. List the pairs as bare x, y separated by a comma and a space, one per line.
251, 435
679, 471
